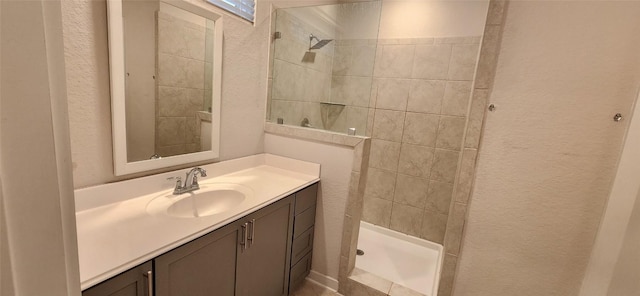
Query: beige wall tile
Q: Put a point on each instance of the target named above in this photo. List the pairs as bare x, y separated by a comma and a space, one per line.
311, 111
370, 118
179, 38
476, 115
426, 96
191, 131
342, 57
433, 226
463, 61
456, 98
165, 151
380, 184
314, 84
406, 219
388, 125
170, 130
415, 160
447, 275
439, 197
362, 61
455, 227
357, 118
431, 61
450, 132
398, 290
496, 11
367, 284
285, 81
377, 211
394, 61
465, 177
373, 98
393, 94
290, 50
174, 101
445, 163
411, 191
180, 72
351, 90
420, 129
384, 155
290, 111
488, 56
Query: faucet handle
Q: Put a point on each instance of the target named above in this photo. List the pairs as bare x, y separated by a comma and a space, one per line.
178, 180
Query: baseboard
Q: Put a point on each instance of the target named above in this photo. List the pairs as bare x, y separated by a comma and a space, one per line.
323, 280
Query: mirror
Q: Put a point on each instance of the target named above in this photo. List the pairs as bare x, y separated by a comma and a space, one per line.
166, 65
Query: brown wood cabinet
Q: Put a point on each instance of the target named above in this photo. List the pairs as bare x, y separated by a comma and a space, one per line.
251, 256
133, 282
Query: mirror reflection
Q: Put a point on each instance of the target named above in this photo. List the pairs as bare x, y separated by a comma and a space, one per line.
168, 55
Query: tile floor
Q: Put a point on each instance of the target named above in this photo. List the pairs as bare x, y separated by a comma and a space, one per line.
309, 288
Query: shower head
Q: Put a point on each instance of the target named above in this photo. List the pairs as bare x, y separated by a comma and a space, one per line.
320, 44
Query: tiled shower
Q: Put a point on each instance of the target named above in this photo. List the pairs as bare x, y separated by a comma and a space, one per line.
420, 98
413, 97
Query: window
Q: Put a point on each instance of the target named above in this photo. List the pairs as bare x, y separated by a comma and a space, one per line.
242, 8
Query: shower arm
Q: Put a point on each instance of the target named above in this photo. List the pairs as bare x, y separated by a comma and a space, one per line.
311, 37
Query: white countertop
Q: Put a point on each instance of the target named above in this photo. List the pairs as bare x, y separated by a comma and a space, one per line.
116, 233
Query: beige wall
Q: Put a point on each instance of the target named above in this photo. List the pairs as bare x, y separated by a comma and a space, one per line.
38, 236
336, 162
549, 151
140, 87
420, 19
625, 275
86, 56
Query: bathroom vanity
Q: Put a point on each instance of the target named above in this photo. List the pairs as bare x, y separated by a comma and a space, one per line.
261, 245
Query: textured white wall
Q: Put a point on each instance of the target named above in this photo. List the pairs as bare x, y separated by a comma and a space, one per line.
245, 61
335, 174
550, 150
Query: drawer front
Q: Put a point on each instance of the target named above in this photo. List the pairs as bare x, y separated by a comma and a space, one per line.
299, 272
306, 198
301, 246
304, 221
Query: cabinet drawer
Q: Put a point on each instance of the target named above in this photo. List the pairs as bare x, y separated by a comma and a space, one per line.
301, 246
303, 221
306, 198
299, 272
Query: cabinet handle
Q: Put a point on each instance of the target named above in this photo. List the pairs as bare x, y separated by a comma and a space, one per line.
252, 235
243, 242
149, 276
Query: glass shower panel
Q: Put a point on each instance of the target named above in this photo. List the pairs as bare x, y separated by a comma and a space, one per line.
322, 60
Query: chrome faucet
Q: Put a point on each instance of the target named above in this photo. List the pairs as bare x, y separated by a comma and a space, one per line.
190, 182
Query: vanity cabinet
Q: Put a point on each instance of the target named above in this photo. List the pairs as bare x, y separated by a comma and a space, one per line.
256, 255
303, 232
133, 282
201, 266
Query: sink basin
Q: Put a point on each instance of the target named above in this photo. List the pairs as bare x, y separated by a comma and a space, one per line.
209, 200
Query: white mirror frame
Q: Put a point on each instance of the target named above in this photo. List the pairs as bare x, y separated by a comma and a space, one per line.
117, 71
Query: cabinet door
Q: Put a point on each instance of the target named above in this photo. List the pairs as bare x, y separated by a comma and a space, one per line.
206, 266
134, 282
263, 266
